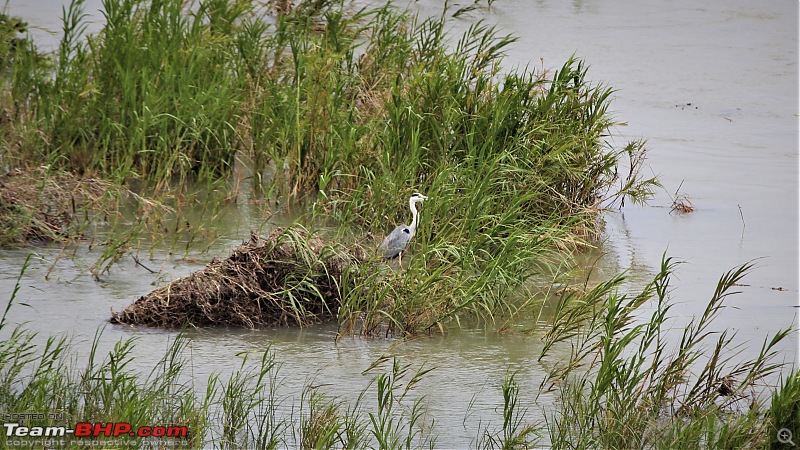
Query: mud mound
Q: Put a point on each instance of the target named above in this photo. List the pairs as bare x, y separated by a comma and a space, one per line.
289, 278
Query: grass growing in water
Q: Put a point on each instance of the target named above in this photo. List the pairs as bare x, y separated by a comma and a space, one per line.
352, 112
348, 111
622, 385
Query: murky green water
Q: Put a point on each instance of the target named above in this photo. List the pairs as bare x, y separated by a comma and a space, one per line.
712, 86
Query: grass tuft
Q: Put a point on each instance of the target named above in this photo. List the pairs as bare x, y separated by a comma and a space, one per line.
624, 383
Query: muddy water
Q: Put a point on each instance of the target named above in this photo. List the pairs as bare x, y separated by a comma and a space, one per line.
711, 86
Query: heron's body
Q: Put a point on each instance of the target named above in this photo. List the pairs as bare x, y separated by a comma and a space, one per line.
397, 241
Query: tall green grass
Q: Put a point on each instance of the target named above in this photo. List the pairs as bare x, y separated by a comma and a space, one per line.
626, 382
151, 96
784, 409
354, 107
348, 112
623, 384
515, 432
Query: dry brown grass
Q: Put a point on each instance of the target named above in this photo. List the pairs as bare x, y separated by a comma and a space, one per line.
289, 278
682, 205
37, 206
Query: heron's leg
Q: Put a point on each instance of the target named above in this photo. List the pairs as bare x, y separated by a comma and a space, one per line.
400, 260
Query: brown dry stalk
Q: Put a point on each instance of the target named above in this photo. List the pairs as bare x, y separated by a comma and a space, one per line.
289, 278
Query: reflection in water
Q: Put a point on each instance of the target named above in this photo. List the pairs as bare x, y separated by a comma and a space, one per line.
735, 147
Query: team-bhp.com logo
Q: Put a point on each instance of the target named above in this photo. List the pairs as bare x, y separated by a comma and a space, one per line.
97, 429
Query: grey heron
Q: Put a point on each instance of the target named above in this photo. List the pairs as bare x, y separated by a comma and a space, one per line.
397, 241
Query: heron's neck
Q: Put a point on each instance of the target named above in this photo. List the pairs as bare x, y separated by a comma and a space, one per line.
413, 207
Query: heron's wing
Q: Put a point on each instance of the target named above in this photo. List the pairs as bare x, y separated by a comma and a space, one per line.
396, 241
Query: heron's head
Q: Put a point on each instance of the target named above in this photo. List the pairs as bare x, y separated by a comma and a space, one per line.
417, 197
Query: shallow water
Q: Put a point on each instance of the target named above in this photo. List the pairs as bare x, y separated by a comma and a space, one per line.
711, 86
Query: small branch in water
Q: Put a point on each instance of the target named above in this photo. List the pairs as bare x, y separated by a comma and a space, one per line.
679, 188
47, 275
741, 214
139, 263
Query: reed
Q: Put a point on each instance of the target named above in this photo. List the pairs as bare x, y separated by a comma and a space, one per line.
347, 111
169, 95
784, 409
398, 421
626, 382
623, 384
327, 425
515, 432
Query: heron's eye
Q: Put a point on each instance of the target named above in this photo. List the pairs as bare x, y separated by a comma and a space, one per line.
406, 231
